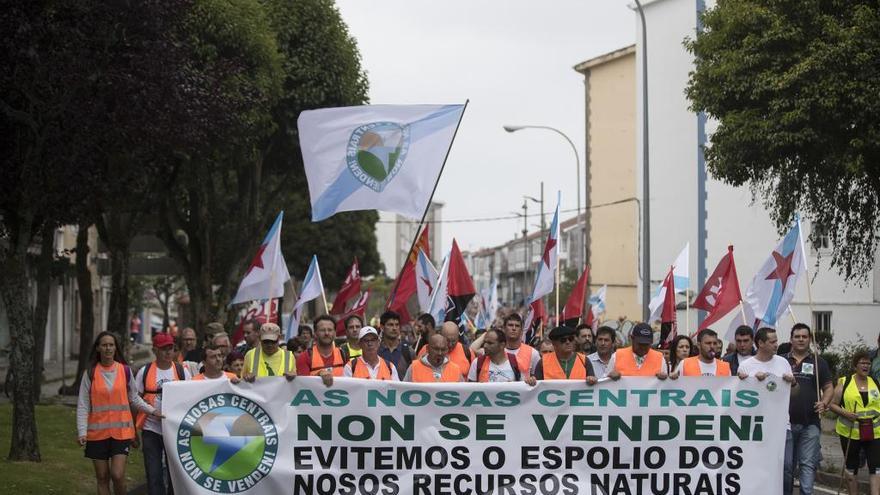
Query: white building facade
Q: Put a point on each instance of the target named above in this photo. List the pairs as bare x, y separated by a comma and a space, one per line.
688, 206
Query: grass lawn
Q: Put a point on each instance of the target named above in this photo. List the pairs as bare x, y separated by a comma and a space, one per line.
64, 469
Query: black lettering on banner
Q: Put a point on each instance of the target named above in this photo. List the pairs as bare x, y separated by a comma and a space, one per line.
527, 481
436, 457
603, 457
421, 484
390, 485
549, 484
529, 457
735, 456
301, 458
346, 484
655, 458
462, 479
461, 458
569, 484
496, 453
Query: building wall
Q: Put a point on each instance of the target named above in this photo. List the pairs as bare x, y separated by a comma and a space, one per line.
611, 156
733, 216
394, 236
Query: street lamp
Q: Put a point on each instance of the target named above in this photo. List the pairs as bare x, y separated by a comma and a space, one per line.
646, 209
514, 128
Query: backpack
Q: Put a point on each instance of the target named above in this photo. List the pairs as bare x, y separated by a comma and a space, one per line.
177, 365
846, 384
517, 375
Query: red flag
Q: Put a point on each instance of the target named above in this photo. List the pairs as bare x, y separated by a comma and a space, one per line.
405, 286
538, 320
574, 307
459, 286
668, 329
350, 288
359, 308
721, 293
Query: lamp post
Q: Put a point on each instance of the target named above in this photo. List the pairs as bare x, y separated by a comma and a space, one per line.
646, 209
577, 160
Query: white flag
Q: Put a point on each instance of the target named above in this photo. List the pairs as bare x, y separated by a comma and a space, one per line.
312, 288
375, 157
773, 287
426, 281
440, 297
267, 273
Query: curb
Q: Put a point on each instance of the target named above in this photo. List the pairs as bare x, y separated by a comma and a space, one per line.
833, 480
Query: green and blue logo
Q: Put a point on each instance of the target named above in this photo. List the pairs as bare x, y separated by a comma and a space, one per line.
376, 152
227, 443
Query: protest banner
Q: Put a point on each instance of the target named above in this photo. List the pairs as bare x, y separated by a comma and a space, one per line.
701, 435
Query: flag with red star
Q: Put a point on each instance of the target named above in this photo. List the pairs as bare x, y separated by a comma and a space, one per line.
267, 273
351, 287
545, 278
773, 287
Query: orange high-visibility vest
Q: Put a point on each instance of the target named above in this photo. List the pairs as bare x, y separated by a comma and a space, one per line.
151, 388
553, 369
362, 370
457, 355
319, 364
625, 363
110, 415
422, 373
201, 376
523, 355
691, 367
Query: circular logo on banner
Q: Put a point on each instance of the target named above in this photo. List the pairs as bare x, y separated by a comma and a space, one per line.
227, 443
376, 152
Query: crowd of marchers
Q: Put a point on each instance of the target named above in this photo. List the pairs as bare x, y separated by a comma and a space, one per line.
119, 409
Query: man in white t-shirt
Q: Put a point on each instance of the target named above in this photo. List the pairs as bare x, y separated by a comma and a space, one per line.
149, 380
496, 365
765, 363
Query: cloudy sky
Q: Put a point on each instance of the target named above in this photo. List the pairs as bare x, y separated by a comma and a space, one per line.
513, 59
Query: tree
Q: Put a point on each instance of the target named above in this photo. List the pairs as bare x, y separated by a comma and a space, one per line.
794, 85
216, 211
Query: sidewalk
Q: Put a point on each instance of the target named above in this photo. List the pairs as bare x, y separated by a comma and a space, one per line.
53, 379
832, 460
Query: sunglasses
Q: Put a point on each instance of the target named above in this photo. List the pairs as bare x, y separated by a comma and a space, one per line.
569, 338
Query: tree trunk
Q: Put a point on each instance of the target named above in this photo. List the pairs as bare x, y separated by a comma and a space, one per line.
24, 445
41, 310
115, 229
86, 304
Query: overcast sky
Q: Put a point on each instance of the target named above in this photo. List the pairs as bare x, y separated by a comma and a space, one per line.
513, 59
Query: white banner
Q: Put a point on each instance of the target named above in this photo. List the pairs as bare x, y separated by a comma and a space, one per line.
708, 436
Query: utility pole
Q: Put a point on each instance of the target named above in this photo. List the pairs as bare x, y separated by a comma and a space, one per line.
526, 257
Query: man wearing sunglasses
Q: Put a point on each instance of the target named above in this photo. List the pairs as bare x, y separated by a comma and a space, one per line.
564, 363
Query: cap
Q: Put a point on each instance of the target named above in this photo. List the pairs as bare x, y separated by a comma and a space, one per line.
560, 332
162, 339
270, 331
367, 331
642, 334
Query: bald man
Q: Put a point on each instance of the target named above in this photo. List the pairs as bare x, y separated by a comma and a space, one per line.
458, 353
435, 365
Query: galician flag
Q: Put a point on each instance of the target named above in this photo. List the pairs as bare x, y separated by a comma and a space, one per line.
426, 281
312, 288
267, 273
597, 303
375, 157
488, 305
773, 287
440, 296
545, 279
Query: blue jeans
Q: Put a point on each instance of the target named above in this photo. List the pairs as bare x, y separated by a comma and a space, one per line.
802, 448
154, 464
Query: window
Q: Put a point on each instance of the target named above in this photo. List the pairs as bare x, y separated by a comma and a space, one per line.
822, 321
820, 239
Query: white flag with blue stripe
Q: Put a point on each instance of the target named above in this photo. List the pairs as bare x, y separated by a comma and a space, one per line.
312, 288
375, 157
773, 287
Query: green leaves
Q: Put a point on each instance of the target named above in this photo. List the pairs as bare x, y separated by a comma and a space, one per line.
794, 85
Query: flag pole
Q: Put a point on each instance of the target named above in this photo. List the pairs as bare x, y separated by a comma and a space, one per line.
687, 311
558, 322
427, 206
742, 311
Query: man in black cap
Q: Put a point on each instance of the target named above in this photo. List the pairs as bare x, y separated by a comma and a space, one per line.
640, 359
563, 363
